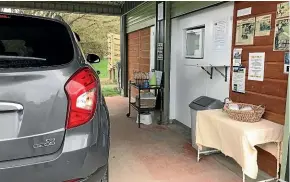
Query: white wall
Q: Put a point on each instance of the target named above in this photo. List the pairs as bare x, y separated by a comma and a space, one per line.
187, 81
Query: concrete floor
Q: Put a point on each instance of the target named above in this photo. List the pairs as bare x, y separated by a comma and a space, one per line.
156, 153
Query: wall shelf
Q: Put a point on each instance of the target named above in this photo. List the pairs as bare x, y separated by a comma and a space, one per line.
205, 67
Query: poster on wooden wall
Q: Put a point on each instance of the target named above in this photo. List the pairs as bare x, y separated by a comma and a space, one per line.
220, 28
282, 10
286, 63
237, 56
245, 31
239, 79
281, 38
263, 25
256, 66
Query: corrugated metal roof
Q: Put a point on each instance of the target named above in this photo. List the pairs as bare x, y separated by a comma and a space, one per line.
94, 7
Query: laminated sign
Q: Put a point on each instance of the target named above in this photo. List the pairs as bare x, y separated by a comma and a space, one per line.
160, 51
239, 79
256, 66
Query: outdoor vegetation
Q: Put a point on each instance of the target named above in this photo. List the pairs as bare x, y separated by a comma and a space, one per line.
93, 31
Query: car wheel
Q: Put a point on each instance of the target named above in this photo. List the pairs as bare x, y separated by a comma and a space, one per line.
106, 176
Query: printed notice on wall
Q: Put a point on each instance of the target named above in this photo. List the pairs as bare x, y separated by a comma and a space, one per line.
237, 56
256, 66
220, 34
286, 63
245, 31
282, 10
239, 79
244, 12
281, 37
263, 25
160, 11
160, 51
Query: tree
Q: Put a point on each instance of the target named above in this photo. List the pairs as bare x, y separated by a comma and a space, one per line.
92, 29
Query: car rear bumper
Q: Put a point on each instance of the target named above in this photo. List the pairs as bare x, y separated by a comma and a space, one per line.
97, 175
76, 160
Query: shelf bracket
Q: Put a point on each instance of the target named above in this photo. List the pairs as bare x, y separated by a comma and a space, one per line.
209, 73
225, 75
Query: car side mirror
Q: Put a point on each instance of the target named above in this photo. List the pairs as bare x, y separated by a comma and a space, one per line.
93, 58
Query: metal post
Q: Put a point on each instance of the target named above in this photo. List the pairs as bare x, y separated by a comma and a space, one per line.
244, 177
166, 62
286, 135
124, 60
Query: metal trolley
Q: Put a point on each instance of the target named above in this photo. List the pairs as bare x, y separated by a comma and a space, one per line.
157, 90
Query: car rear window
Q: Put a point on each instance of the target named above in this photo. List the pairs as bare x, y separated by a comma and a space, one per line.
33, 42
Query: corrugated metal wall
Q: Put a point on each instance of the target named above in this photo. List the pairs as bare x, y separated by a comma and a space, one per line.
179, 8
141, 17
144, 15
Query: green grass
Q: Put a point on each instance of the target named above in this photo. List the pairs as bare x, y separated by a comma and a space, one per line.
102, 66
109, 89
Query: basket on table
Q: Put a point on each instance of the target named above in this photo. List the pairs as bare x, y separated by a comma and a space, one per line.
250, 116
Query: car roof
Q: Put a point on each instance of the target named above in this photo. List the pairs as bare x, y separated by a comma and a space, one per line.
57, 19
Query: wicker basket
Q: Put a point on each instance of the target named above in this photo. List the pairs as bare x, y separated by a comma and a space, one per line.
252, 116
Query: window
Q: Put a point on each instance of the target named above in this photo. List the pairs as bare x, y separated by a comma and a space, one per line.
16, 48
33, 42
194, 43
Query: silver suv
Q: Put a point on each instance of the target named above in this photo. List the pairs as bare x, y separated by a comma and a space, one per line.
54, 122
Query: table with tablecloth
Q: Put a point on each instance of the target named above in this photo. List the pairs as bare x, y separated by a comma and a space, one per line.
236, 139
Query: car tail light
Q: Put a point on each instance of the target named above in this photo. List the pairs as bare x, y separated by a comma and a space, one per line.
73, 180
81, 91
4, 16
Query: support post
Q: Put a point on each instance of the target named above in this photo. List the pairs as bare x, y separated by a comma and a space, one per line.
159, 35
166, 61
124, 60
285, 152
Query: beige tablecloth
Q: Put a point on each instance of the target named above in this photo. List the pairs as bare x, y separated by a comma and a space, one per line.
236, 139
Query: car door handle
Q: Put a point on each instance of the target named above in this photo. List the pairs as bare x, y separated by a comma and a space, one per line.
8, 106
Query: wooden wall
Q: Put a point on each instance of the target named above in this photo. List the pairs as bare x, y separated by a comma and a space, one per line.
273, 90
138, 52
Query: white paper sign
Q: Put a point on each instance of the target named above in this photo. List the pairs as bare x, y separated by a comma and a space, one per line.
244, 12
237, 56
256, 66
220, 34
239, 79
160, 11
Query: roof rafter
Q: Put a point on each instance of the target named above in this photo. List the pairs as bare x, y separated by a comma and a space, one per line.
95, 7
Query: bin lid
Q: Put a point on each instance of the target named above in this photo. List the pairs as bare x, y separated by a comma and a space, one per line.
204, 102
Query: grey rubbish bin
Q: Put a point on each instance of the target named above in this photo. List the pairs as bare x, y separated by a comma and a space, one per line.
201, 103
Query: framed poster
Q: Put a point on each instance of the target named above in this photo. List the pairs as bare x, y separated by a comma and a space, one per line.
263, 25
245, 31
282, 10
281, 37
